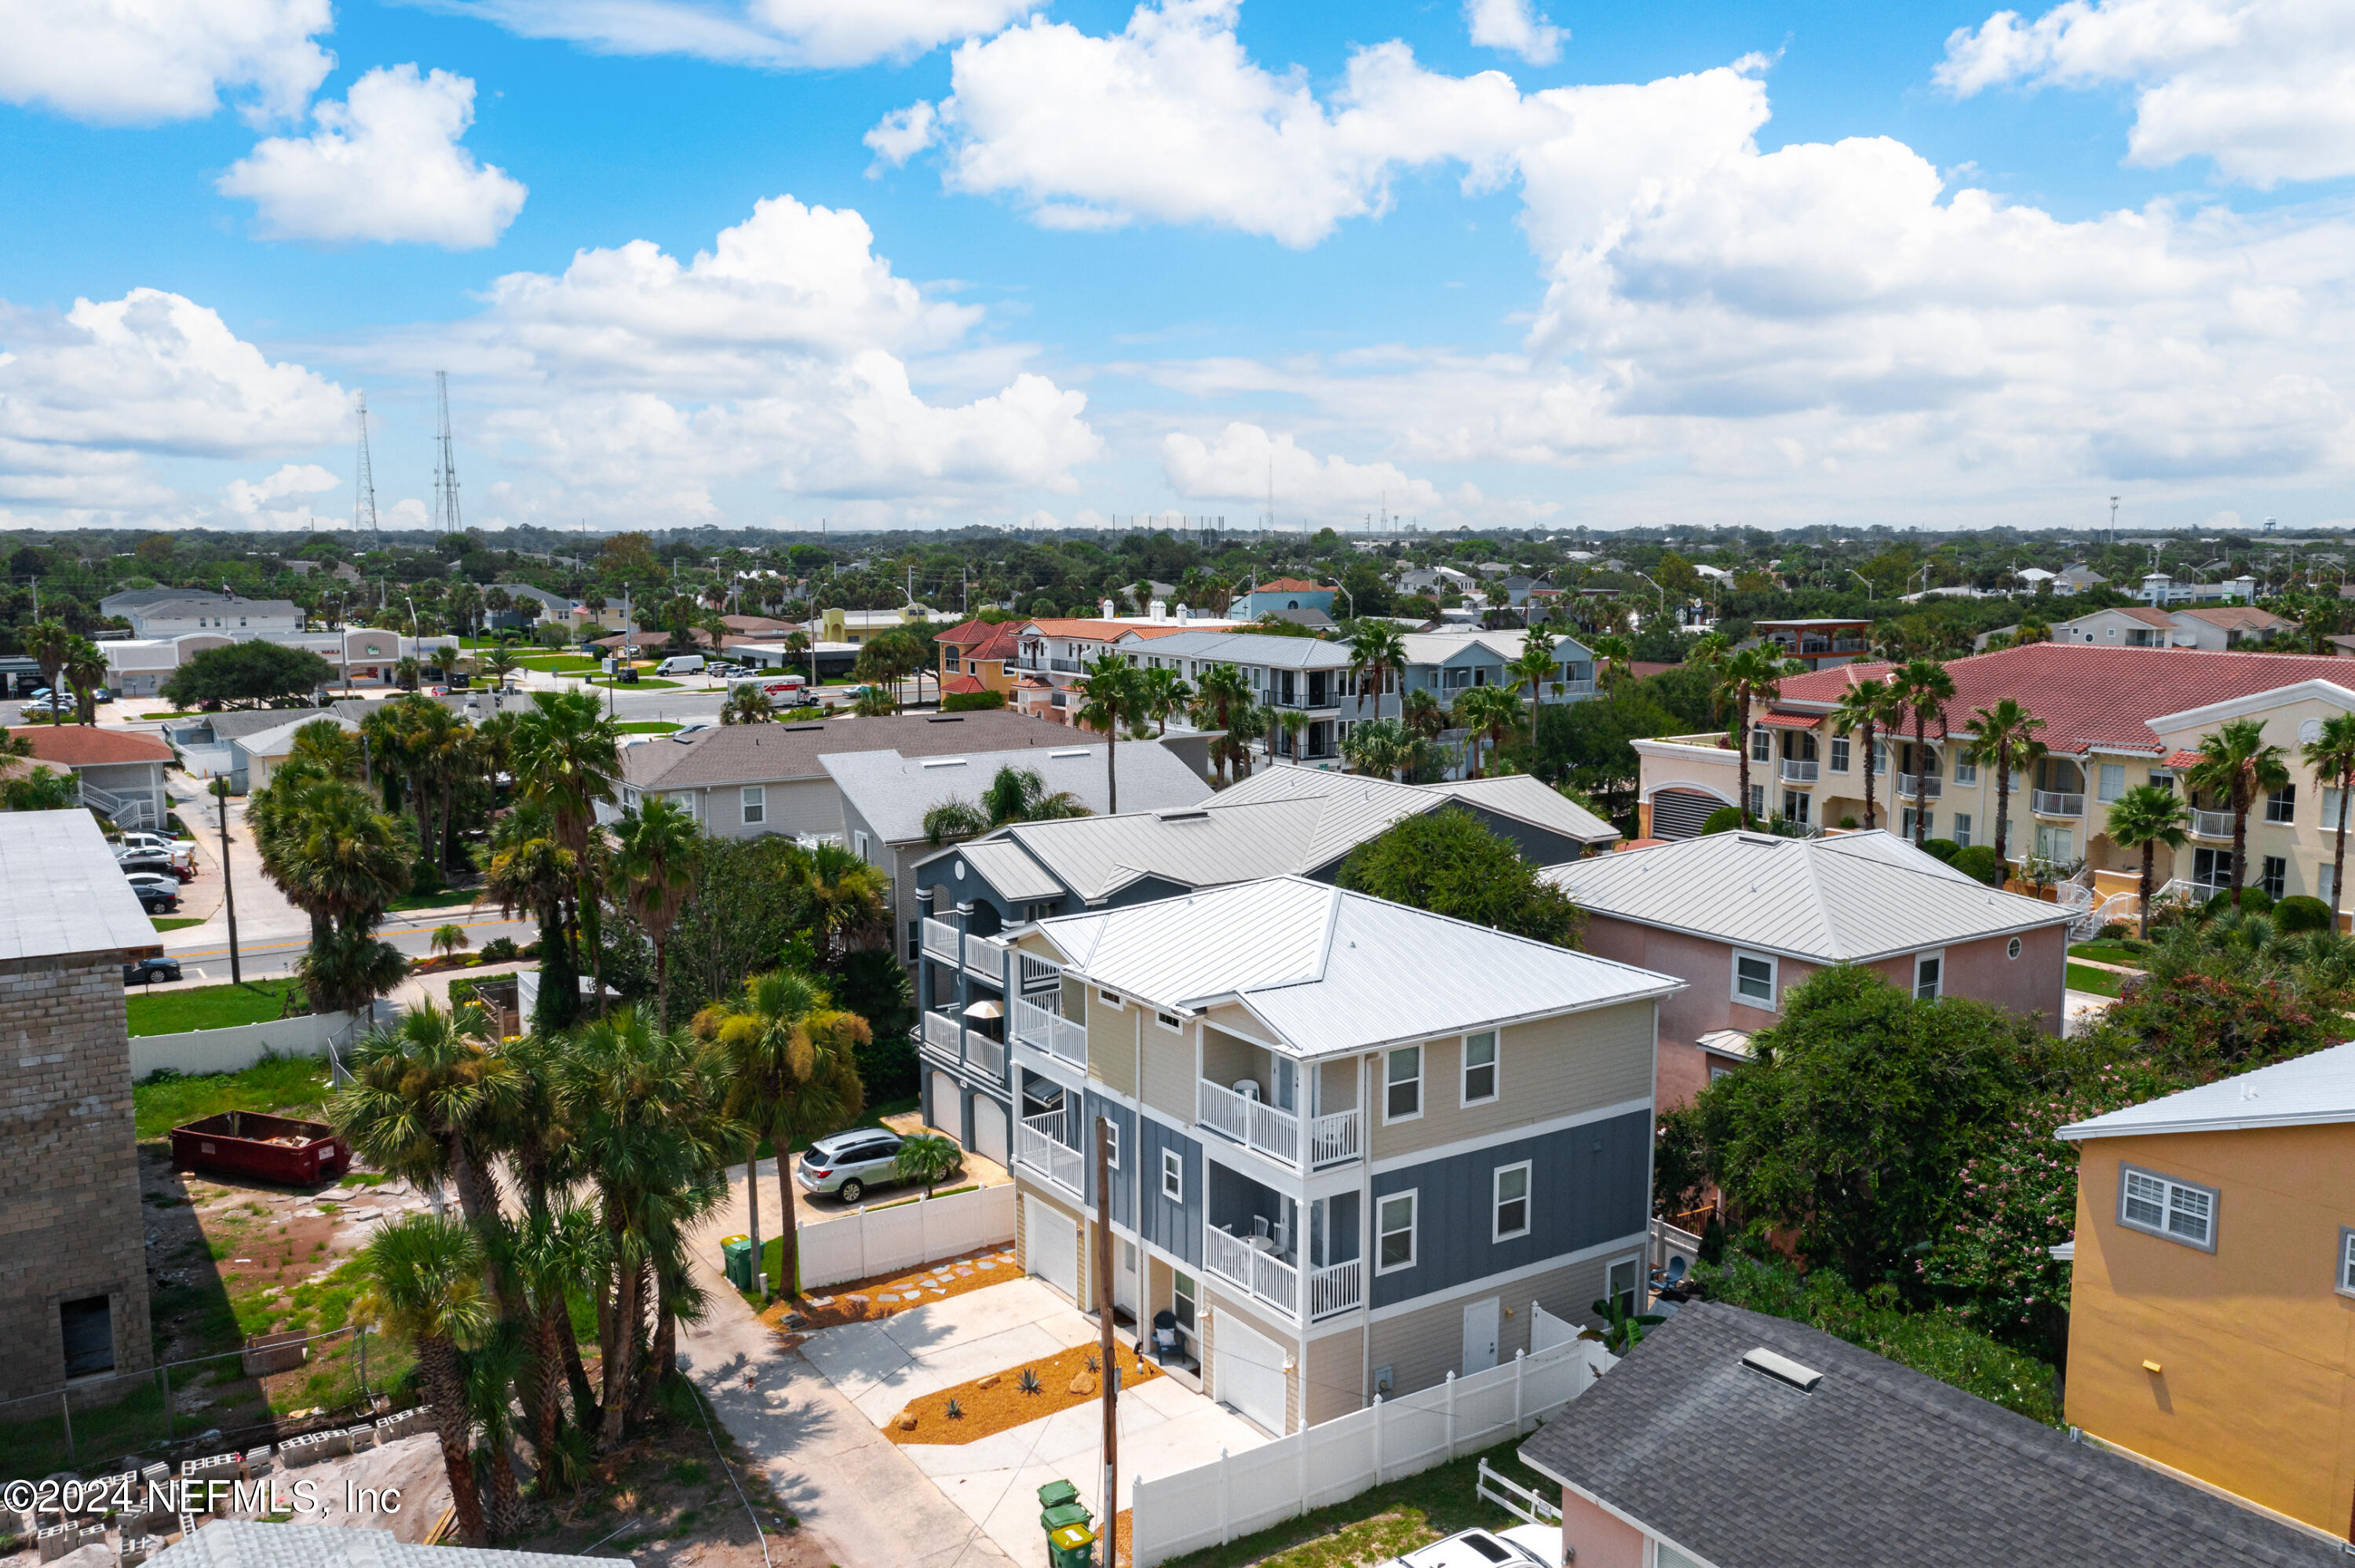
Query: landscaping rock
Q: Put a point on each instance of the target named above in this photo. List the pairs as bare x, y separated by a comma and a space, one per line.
989, 1382
1084, 1383
906, 1424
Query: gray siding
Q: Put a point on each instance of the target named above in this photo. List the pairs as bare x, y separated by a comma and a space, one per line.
1586, 1186
1538, 846
1176, 1228
1124, 1176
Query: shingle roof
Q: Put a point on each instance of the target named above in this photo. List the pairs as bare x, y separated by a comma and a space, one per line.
1327, 971
1879, 1465
78, 745
1292, 584
1251, 648
2089, 693
765, 753
2310, 1090
252, 1543
278, 741
1845, 899
2237, 617
893, 793
66, 894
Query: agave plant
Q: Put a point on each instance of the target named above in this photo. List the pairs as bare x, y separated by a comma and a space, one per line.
956, 1411
1029, 1381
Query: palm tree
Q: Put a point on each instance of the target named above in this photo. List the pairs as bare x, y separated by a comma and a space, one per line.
408, 672
1015, 795
848, 896
1493, 710
565, 754
49, 645
1377, 652
1869, 706
1534, 665
449, 940
747, 703
1925, 687
873, 702
1163, 693
1745, 680
2331, 755
928, 1158
499, 664
1222, 695
1291, 722
1380, 746
2237, 762
1615, 655
661, 847
1421, 711
2144, 818
85, 672
1109, 699
2003, 738
554, 1250
425, 1287
422, 1102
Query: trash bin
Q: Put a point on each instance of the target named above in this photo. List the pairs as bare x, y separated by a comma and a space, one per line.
1071, 1546
1055, 1494
737, 1252
1061, 1514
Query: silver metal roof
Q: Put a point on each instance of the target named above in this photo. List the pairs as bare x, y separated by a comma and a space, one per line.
66, 894
893, 793
252, 1543
1331, 971
1844, 899
1532, 800
1005, 867
1439, 647
2310, 1091
278, 740
1247, 648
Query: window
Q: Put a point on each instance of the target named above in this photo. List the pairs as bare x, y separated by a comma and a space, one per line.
2055, 844
1181, 1299
1795, 807
914, 928
1753, 979
2163, 778
2179, 1211
2330, 808
1402, 1085
1111, 1143
756, 803
2011, 948
1167, 1020
1840, 753
858, 846
1905, 823
1108, 998
2211, 868
2281, 805
1962, 834
2275, 877
1761, 745
1619, 1282
1758, 799
1394, 1238
88, 1327
1173, 1175
2109, 781
1480, 1067
1929, 969
1966, 770
2322, 886
1510, 1191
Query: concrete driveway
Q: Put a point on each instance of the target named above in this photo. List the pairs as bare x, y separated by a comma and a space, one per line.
880, 1366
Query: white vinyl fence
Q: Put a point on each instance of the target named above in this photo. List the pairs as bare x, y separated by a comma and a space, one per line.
1333, 1462
903, 1235
240, 1047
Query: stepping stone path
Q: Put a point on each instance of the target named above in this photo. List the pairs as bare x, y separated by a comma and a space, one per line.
964, 1274
988, 1263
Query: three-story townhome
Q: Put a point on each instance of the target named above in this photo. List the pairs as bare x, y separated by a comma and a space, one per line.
1350, 1144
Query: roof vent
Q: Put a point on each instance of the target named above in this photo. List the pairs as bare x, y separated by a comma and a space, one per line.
946, 719
1077, 751
1782, 1369
1191, 814
794, 726
942, 762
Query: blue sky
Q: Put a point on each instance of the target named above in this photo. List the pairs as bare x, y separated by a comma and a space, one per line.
1778, 265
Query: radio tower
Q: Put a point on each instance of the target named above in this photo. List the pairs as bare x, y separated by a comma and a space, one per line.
364, 478
445, 470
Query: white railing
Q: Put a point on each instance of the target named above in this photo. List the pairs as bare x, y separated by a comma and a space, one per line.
1273, 1133
1931, 787
126, 810
1335, 1288
2057, 803
1049, 1031
1571, 688
2211, 824
986, 959
1333, 1138
1038, 1146
1037, 974
1796, 771
940, 1034
941, 939
2120, 907
1265, 1274
987, 1054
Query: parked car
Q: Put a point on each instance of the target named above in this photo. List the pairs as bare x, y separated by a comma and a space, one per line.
156, 901
182, 851
147, 971
681, 665
153, 882
848, 1163
1518, 1547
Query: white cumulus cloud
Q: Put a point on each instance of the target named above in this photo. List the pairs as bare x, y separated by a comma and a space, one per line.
1515, 26
288, 489
384, 165
2265, 87
117, 62
787, 34
1241, 461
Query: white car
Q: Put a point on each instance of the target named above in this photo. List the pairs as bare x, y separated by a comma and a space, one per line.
1522, 1546
182, 851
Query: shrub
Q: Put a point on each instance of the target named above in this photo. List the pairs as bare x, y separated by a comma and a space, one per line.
2300, 912
1725, 819
1944, 849
1849, 821
807, 714
2110, 932
424, 876
1979, 861
2253, 900
500, 950
972, 702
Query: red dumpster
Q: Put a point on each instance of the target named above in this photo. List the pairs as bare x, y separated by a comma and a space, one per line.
266, 1147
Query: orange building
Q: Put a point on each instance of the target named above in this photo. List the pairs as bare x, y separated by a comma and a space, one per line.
2212, 1326
974, 657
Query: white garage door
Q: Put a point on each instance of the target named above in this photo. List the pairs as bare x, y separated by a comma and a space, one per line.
946, 1102
1051, 1238
1247, 1371
989, 1130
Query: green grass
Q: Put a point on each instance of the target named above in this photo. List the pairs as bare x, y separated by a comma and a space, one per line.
364, 1179
557, 664
170, 716
163, 1101
2106, 953
2105, 982
174, 922
206, 1007
448, 898
642, 683
647, 726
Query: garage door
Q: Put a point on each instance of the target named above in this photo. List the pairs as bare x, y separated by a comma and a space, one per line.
1247, 1371
946, 1115
989, 1130
1051, 1238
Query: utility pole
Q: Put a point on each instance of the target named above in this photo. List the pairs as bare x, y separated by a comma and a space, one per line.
1106, 1350
229, 883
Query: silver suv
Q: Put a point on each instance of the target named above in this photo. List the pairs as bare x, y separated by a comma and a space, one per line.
848, 1163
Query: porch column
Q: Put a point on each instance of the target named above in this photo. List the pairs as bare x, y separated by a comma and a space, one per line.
964, 978
923, 962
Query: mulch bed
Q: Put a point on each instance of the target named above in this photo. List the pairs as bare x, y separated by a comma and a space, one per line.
865, 1300
1064, 1381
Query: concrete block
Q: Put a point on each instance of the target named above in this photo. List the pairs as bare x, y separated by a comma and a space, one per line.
254, 1462
137, 1549
57, 1541
188, 1522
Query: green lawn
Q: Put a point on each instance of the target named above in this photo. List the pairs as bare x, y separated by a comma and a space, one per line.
647, 726
205, 1007
2105, 953
2105, 982
642, 683
448, 898
165, 1100
174, 922
557, 664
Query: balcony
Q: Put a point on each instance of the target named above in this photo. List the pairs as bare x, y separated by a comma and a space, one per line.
940, 1034
2056, 803
941, 941
1058, 1036
1930, 787
1253, 1264
1278, 1134
1065, 666
986, 960
1569, 688
1038, 1147
2211, 825
1794, 771
985, 1055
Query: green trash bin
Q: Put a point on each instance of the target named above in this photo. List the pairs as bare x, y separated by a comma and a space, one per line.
1071, 1546
737, 1254
1055, 1494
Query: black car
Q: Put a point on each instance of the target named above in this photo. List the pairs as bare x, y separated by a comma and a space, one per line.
156, 901
147, 971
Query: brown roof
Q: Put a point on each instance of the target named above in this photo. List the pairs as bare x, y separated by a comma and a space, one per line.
2147, 616
765, 753
982, 639
2240, 618
1293, 585
73, 745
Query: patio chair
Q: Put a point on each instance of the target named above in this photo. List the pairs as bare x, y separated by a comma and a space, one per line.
1164, 1336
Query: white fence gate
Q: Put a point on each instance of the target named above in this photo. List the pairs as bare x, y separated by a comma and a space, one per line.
1211, 1504
903, 1235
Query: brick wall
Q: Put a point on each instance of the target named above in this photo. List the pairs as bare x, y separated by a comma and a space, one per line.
69, 1221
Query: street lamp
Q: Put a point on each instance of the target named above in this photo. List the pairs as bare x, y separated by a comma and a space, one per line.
1662, 592
1865, 581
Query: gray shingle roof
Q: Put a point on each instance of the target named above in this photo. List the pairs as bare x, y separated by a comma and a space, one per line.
1844, 899
893, 793
766, 753
66, 894
2311, 1090
250, 1543
229, 726
1877, 1466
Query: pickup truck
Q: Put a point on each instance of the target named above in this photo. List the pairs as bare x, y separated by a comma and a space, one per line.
268, 1148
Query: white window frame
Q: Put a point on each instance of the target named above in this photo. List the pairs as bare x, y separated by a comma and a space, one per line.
1966, 770
1633, 1264
2169, 1187
1110, 999
2011, 948
1936, 955
2109, 781
1496, 1201
1173, 1175
1390, 1083
754, 804
1170, 1022
1412, 1197
1112, 1143
1761, 744
858, 845
2345, 1286
2266, 875
1464, 1097
1839, 762
1961, 830
2282, 802
1774, 980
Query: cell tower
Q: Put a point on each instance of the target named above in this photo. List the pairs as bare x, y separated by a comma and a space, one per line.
445, 467
364, 478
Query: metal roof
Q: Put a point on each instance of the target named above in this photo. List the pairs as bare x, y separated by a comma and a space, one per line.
1845, 899
1439, 647
768, 753
893, 793
1250, 648
1327, 971
278, 740
1004, 866
1532, 800
253, 1543
66, 894
2312, 1090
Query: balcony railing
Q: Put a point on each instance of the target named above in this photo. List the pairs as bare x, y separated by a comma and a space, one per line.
2211, 824
1065, 666
1931, 787
1796, 771
2057, 803
941, 941
1037, 1146
1234, 1259
1569, 688
1337, 1287
1038, 973
1277, 1134
985, 1055
1048, 1032
986, 959
940, 1034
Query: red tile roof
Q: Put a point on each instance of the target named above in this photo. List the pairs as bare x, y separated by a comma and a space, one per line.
1783, 718
2088, 694
982, 639
71, 746
958, 685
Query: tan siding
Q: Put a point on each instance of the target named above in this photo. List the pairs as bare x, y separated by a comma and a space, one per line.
1422, 1347
1111, 1045
1339, 1086
1285, 1341
1169, 1072
1554, 1068
1337, 1367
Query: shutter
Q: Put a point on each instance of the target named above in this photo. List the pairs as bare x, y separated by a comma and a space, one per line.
1681, 813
